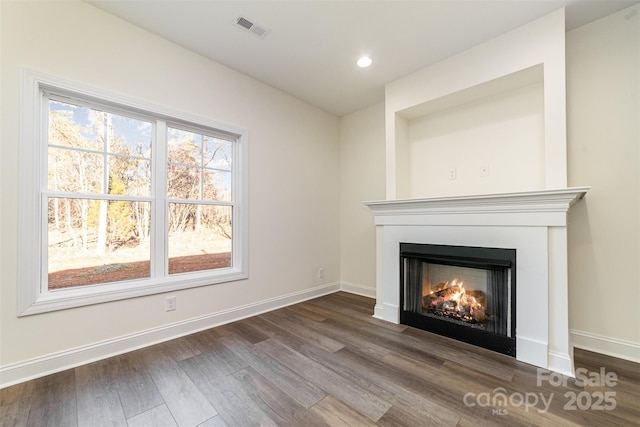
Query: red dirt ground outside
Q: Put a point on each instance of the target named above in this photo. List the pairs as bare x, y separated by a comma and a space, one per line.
136, 270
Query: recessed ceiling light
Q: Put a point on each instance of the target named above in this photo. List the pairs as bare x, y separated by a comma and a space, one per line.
364, 62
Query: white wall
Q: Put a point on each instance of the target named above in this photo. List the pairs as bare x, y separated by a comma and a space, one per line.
603, 114
361, 162
294, 173
503, 133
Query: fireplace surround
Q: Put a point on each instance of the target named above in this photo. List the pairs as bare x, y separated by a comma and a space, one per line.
534, 223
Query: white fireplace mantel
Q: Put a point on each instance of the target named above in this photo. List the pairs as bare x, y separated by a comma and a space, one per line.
532, 222
543, 207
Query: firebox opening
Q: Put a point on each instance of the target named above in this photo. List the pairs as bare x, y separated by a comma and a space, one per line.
465, 293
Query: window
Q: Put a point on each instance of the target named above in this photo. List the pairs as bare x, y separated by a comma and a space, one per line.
121, 199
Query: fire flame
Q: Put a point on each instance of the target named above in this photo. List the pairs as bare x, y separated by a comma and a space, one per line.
460, 297
451, 299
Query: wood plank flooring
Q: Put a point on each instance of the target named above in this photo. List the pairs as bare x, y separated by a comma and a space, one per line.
324, 362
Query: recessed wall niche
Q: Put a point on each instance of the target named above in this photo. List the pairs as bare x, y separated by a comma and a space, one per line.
489, 138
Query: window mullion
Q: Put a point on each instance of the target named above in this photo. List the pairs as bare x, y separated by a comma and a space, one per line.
159, 244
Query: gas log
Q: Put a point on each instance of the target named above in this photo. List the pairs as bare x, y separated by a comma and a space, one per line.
453, 301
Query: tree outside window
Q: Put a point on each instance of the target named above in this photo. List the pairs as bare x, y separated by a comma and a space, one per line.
130, 199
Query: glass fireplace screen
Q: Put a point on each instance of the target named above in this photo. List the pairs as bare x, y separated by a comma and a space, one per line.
476, 297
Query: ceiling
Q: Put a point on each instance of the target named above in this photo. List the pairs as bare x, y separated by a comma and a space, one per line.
312, 46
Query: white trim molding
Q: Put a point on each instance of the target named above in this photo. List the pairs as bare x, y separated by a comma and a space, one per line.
357, 289
543, 207
613, 347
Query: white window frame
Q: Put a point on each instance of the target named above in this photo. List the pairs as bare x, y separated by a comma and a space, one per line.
33, 298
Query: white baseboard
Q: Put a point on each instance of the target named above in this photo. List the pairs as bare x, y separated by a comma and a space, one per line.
613, 347
38, 367
34, 368
532, 351
562, 363
357, 289
388, 312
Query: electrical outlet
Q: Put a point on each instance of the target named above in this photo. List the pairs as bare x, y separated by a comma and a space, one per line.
321, 273
452, 173
171, 303
484, 170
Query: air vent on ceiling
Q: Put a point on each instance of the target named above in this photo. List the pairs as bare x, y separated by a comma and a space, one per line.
247, 24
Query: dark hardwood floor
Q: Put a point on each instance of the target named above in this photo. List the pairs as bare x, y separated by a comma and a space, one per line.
323, 362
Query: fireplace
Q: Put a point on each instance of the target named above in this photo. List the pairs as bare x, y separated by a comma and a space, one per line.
534, 223
465, 293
